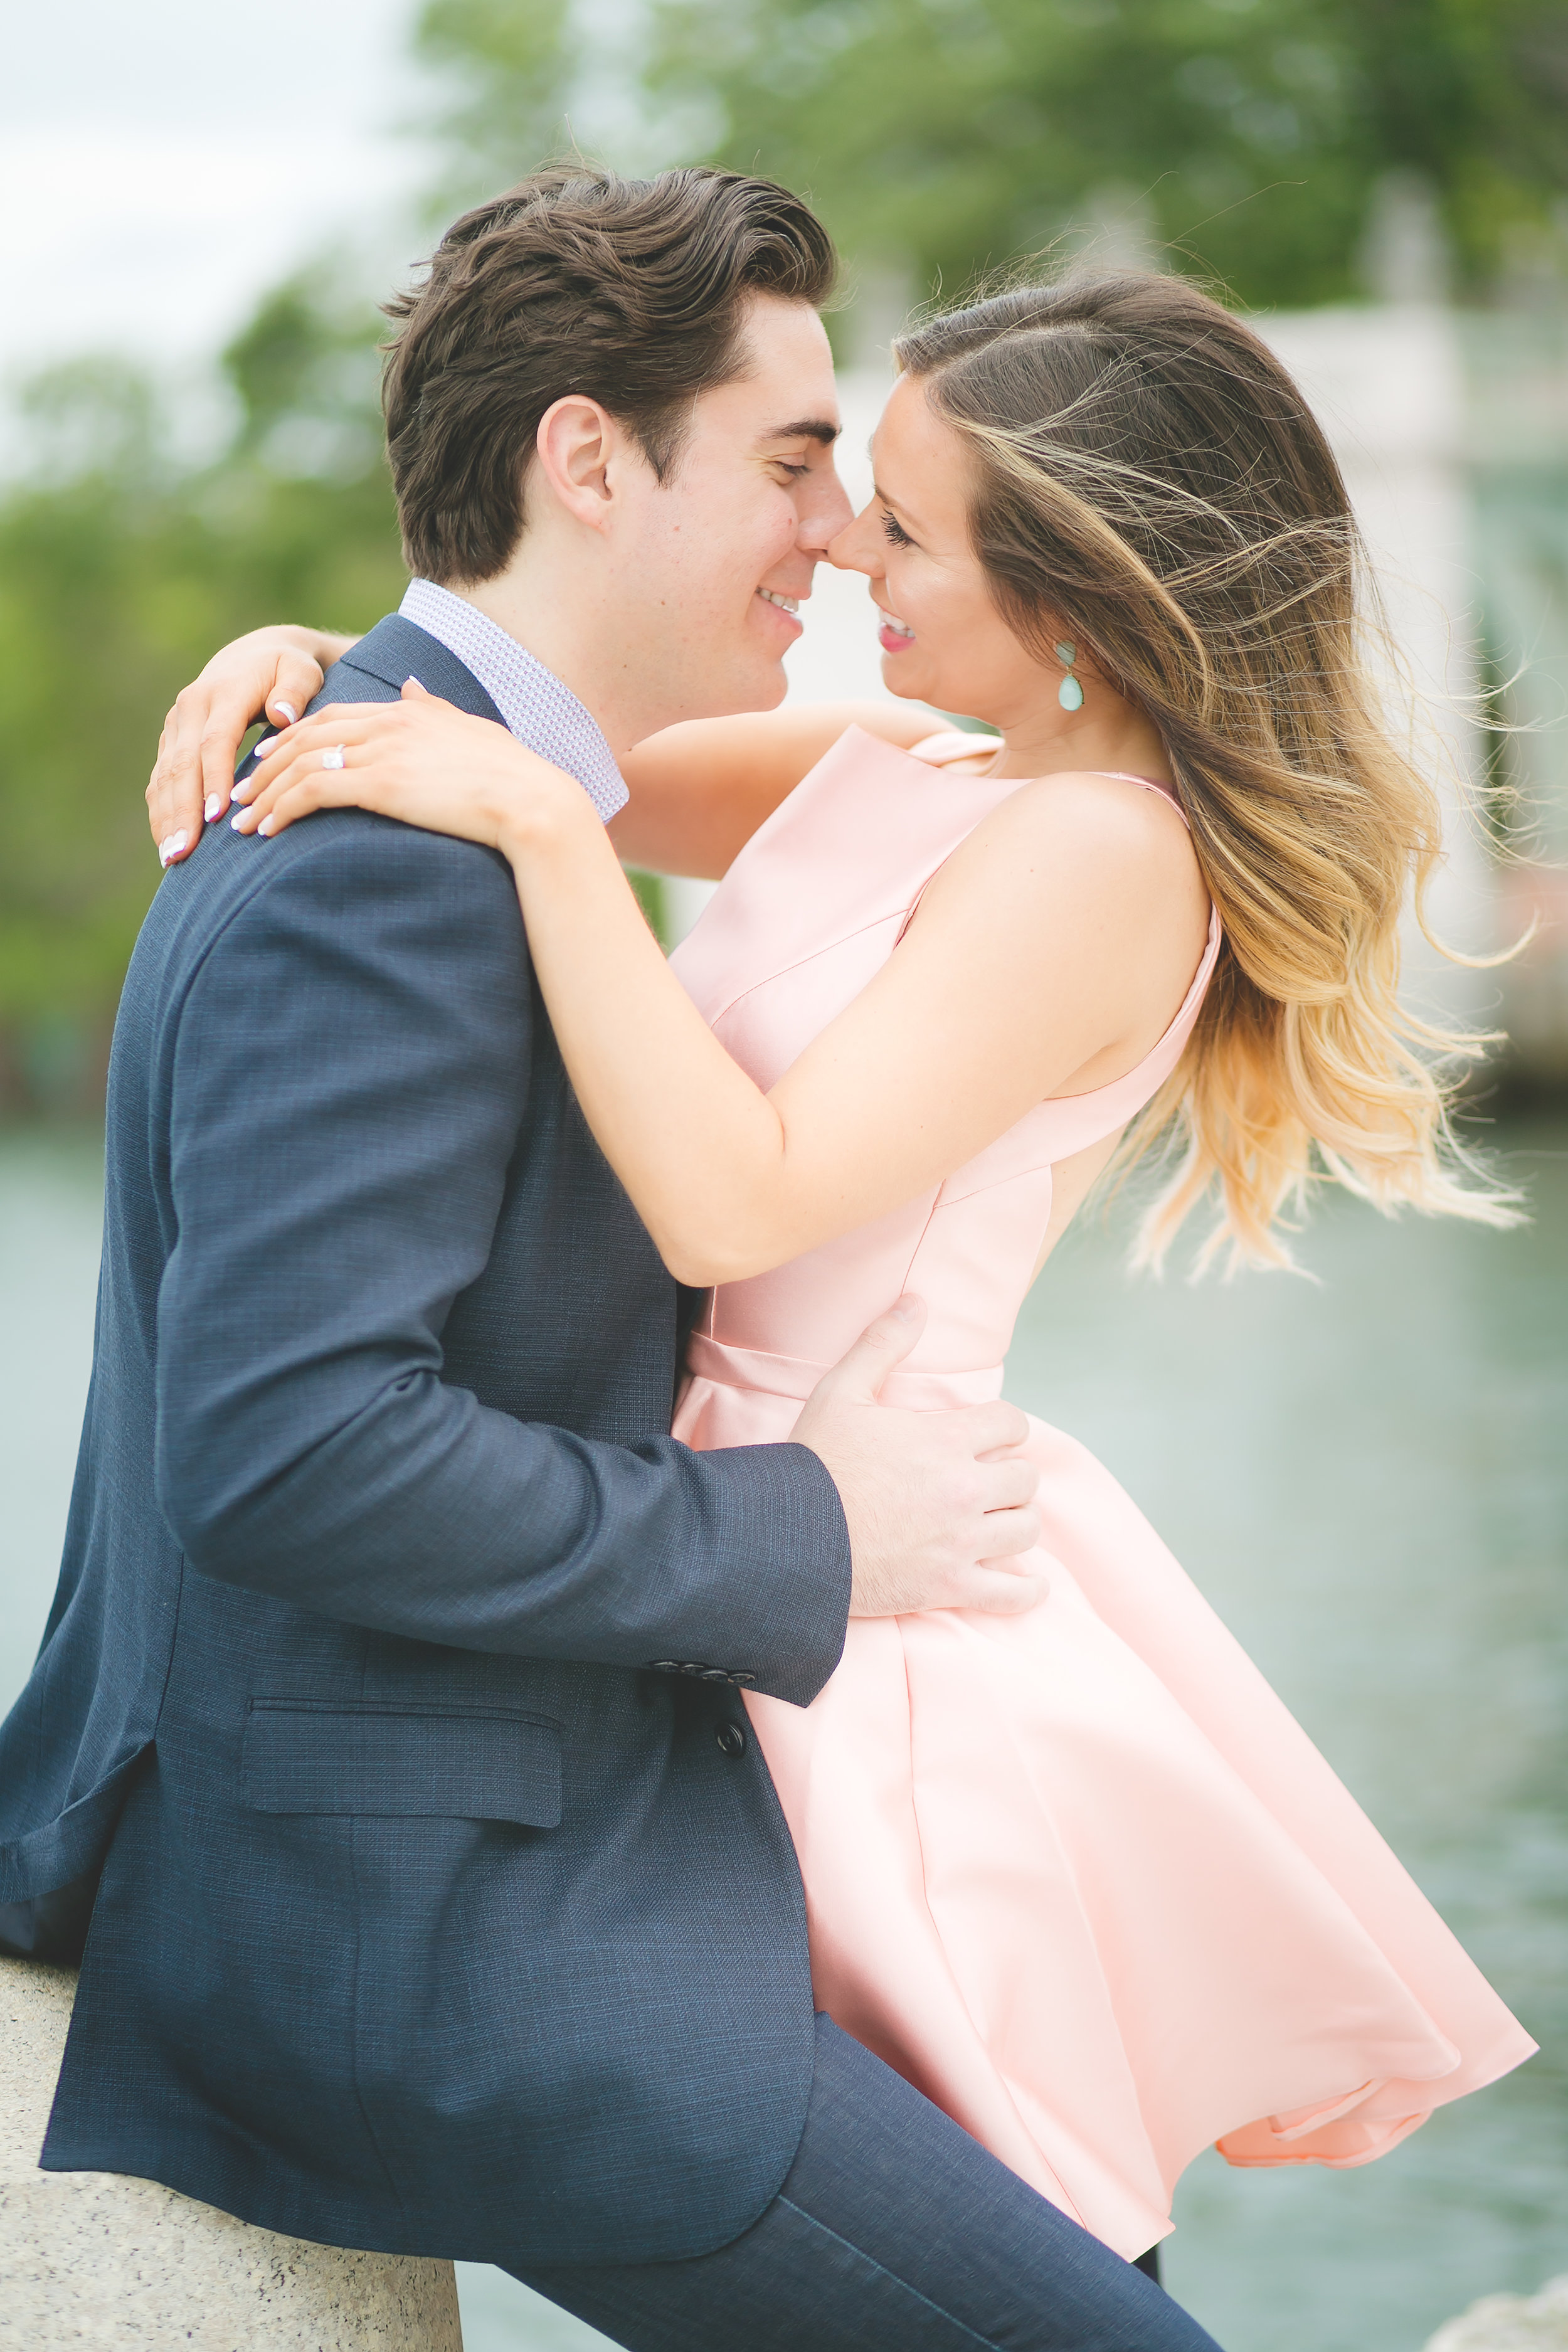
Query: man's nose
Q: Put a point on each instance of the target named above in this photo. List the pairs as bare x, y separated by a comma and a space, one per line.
827, 514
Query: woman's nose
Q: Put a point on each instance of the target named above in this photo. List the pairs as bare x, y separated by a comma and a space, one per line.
856, 548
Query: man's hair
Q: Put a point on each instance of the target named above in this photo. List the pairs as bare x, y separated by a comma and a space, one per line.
632, 292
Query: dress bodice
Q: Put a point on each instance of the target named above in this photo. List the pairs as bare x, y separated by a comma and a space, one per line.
807, 914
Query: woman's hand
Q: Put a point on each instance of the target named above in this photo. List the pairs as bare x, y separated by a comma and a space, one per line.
272, 673
420, 760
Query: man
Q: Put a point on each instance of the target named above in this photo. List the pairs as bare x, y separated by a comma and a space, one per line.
387, 1724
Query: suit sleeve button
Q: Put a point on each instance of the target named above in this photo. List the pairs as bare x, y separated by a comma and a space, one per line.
664, 1665
731, 1739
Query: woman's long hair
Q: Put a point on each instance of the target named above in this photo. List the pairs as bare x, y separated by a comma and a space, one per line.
1150, 484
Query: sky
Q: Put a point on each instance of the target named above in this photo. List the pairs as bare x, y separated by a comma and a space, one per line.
161, 165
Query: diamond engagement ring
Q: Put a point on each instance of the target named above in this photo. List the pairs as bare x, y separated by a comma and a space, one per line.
333, 757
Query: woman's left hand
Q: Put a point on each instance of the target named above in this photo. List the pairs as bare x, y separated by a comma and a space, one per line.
418, 760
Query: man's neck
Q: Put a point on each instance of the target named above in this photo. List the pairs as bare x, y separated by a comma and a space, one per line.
573, 645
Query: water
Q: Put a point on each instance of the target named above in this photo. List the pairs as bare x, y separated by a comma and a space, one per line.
1368, 1478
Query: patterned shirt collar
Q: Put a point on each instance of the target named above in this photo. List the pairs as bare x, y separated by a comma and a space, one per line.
537, 708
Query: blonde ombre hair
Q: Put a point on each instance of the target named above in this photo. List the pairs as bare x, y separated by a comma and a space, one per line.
1150, 484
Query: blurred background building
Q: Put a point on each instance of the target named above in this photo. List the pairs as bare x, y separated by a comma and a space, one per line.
202, 208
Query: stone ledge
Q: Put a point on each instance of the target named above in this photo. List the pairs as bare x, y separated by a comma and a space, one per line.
1509, 2323
100, 2259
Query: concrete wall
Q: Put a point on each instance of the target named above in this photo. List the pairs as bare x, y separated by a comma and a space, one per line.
98, 2259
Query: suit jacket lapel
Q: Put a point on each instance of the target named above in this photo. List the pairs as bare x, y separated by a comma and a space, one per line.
395, 649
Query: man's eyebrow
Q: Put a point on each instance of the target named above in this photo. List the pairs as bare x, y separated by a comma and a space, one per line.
805, 428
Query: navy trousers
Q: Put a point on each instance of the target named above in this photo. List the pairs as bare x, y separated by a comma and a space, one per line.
894, 2232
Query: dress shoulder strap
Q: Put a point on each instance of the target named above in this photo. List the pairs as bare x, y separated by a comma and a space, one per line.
954, 744
1144, 784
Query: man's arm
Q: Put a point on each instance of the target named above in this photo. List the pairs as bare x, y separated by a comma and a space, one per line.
348, 1091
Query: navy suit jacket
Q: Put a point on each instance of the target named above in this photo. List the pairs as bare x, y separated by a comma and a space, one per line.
437, 1909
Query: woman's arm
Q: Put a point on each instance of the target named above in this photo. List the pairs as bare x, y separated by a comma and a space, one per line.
1055, 946
698, 792
273, 673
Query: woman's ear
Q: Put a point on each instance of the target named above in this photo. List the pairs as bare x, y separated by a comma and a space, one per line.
576, 442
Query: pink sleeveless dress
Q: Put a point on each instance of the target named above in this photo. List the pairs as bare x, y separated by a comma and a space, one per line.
1078, 1874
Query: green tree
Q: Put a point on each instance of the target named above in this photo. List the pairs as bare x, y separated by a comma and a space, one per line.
946, 136
957, 134
508, 69
120, 572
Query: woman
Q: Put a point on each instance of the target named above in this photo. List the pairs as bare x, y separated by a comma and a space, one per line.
1075, 1873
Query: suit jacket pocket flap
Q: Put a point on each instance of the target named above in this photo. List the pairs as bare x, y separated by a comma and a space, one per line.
482, 1764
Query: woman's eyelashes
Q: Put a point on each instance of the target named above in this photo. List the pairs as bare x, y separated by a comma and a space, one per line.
894, 532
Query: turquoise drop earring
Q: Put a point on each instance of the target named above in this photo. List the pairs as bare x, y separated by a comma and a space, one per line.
1069, 694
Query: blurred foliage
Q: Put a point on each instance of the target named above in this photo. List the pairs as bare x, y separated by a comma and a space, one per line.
121, 570
939, 137
507, 68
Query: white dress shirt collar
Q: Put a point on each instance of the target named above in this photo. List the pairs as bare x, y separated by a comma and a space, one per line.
537, 708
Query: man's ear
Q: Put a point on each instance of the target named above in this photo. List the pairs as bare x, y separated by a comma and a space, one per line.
578, 444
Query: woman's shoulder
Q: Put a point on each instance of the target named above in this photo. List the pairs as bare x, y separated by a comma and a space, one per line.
1087, 838
1092, 812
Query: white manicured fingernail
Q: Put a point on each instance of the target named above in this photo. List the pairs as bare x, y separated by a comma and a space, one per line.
214, 807
234, 821
265, 825
260, 750
172, 845
288, 711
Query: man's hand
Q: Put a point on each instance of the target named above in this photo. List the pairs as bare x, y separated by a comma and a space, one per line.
939, 1506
